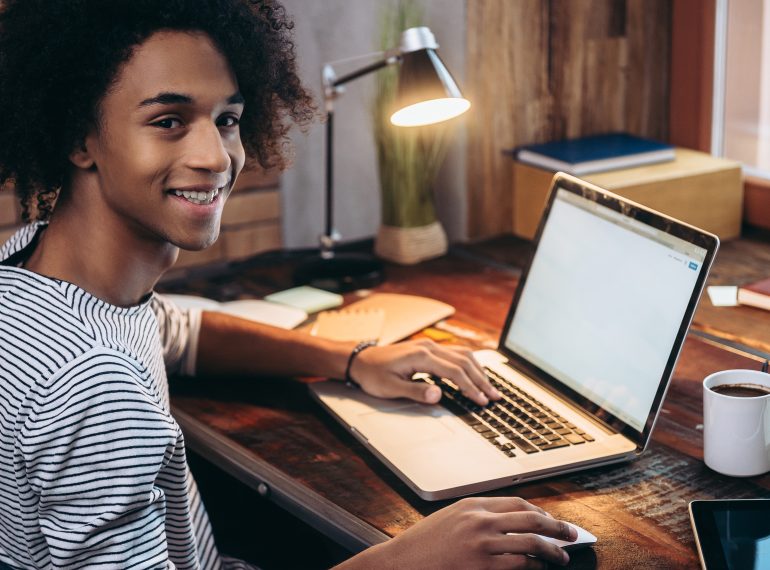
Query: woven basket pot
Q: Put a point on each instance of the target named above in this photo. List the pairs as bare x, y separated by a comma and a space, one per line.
408, 246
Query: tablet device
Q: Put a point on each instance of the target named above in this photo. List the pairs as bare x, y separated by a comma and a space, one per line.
732, 534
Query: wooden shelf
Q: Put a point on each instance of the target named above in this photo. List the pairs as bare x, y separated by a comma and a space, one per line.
696, 188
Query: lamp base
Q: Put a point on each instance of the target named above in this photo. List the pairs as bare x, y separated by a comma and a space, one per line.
341, 273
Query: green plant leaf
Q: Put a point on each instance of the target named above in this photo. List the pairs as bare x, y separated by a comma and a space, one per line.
408, 158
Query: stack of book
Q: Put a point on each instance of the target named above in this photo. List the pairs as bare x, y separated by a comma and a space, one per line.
755, 294
596, 153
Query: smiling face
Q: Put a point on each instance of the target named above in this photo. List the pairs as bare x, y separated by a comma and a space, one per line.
167, 149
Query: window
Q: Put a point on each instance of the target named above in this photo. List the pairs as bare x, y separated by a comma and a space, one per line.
741, 120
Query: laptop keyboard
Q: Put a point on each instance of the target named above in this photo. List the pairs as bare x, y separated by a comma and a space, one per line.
517, 423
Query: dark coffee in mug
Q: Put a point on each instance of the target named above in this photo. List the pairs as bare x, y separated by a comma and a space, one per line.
742, 390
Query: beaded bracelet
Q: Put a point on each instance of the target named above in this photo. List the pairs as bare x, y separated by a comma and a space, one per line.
360, 347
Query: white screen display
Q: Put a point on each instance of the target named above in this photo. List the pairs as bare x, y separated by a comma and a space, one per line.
603, 301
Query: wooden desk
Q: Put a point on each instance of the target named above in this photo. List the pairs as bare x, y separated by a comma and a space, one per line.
272, 436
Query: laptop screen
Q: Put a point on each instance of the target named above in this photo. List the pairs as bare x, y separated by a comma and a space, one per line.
603, 302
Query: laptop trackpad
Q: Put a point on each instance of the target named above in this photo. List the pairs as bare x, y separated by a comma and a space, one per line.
411, 423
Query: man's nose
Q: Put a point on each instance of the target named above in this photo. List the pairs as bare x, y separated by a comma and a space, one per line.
207, 149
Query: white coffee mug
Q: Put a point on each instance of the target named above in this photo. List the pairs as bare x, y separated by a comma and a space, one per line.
736, 429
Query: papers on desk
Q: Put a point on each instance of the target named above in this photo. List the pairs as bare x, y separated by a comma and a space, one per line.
309, 299
723, 296
350, 324
385, 317
273, 314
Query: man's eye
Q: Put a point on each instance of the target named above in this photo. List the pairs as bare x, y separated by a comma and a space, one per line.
229, 121
167, 123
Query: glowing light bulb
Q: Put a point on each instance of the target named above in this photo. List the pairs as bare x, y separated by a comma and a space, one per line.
429, 112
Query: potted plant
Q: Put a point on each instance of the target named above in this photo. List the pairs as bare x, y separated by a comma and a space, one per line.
408, 159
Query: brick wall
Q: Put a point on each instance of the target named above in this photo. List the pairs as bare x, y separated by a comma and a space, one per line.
251, 222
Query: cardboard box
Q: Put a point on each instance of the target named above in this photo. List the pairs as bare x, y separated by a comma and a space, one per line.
697, 188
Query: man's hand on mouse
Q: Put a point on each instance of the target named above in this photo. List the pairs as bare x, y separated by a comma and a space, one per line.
474, 533
386, 371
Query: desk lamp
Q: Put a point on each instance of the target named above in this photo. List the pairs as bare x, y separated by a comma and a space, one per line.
427, 93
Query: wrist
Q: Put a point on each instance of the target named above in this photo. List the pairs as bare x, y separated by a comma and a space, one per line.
377, 556
354, 357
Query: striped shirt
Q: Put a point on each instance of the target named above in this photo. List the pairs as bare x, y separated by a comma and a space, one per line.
93, 470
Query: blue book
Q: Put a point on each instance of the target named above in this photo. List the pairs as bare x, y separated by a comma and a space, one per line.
595, 153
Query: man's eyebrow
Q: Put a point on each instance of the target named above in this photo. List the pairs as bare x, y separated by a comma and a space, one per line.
236, 99
179, 98
167, 99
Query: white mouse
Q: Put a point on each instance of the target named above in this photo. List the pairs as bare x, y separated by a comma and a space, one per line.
584, 538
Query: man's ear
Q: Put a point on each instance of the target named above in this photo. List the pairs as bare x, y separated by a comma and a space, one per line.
81, 157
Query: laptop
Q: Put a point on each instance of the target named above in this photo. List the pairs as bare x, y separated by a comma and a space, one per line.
584, 359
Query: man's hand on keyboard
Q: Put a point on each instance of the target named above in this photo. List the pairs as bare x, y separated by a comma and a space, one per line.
386, 371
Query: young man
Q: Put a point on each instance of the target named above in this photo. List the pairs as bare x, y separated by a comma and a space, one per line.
135, 117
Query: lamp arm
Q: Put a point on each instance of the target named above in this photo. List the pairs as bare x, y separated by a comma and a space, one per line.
366, 70
331, 83
331, 88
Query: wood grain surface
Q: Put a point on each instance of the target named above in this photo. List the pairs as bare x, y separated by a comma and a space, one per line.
738, 262
544, 70
638, 510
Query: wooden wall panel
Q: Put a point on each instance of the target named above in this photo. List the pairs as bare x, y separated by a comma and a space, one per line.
648, 29
506, 40
692, 72
549, 69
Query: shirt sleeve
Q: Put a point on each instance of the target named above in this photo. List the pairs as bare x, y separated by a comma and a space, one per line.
179, 329
94, 445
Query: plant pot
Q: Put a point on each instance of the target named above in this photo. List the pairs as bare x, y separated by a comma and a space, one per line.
408, 246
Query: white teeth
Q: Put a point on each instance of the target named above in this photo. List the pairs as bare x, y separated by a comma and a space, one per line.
198, 197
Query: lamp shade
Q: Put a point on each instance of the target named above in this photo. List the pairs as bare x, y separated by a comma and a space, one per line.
427, 92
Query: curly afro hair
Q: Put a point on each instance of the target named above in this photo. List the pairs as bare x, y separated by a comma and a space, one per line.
58, 58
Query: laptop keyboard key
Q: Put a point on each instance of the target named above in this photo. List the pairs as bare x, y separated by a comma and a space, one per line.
524, 445
554, 445
574, 438
536, 426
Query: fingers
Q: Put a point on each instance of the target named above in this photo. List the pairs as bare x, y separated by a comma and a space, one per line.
536, 523
419, 392
516, 524
507, 505
460, 368
529, 544
516, 562
529, 563
464, 358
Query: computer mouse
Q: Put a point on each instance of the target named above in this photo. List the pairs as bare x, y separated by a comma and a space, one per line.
584, 539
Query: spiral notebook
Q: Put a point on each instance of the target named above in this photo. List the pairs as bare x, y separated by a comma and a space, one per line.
384, 317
